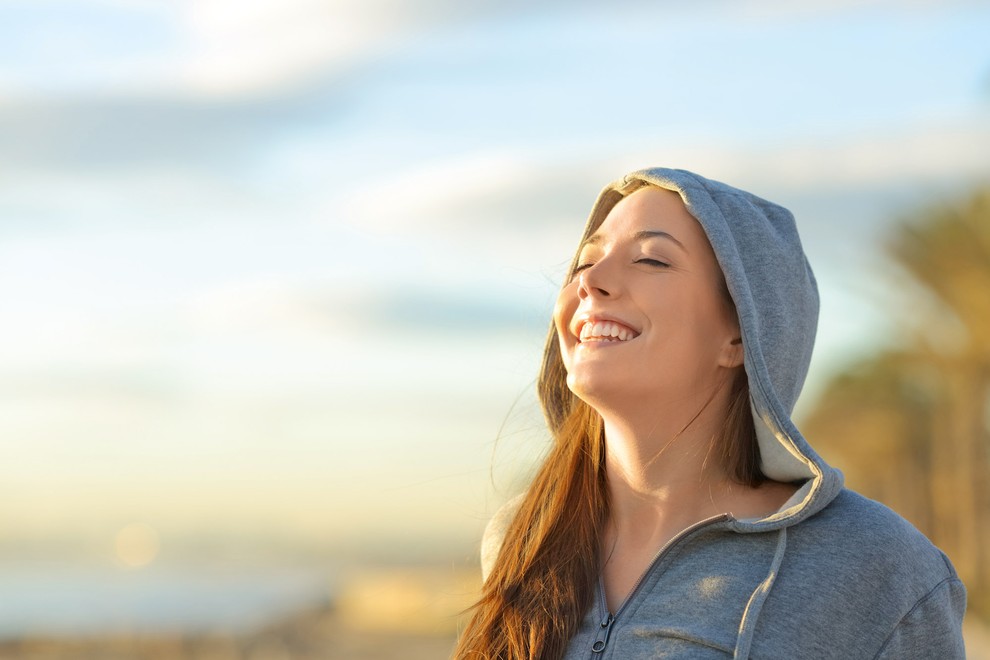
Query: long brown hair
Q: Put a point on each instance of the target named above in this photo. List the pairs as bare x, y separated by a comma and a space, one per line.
544, 578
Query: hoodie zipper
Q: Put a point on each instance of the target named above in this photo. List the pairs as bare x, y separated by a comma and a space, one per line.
608, 619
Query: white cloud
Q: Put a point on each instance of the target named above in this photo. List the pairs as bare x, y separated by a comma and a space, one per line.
210, 47
238, 46
782, 9
949, 150
425, 195
412, 197
267, 308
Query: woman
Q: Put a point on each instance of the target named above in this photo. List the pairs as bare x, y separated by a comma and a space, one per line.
680, 513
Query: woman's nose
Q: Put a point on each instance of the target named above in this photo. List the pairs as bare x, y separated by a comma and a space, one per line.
590, 283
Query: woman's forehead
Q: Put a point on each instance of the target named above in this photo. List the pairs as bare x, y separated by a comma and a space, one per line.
649, 210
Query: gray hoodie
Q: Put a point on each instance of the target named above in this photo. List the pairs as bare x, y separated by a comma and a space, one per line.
831, 574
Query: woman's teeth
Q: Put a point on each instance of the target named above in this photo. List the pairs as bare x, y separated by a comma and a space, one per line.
605, 331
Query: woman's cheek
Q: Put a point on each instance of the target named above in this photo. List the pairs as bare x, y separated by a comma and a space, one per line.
563, 311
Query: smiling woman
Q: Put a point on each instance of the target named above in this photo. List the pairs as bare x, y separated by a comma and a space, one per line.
680, 512
665, 299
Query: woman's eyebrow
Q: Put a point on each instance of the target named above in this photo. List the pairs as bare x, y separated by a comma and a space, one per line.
656, 233
595, 239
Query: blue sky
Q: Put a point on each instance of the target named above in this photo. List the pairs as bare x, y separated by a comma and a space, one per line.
263, 259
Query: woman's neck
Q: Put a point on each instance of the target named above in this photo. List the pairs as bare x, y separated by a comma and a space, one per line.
664, 475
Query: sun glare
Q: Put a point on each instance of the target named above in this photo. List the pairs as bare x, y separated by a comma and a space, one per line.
136, 545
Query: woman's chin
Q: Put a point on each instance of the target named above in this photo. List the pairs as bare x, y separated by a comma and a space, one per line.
597, 390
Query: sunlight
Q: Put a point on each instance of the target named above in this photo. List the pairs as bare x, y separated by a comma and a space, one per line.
136, 545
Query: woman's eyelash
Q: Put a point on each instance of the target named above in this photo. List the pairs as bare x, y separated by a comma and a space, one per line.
645, 260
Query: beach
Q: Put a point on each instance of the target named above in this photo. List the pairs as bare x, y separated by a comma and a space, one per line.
375, 614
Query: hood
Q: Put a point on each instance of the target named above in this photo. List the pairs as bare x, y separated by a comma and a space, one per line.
776, 297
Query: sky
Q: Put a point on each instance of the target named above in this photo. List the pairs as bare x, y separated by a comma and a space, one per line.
283, 270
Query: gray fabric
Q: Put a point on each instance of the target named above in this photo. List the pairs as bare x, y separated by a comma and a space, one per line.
855, 581
830, 575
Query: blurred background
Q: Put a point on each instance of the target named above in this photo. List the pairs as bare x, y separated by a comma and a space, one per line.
275, 277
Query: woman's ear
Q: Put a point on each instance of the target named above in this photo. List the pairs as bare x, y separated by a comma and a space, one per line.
732, 353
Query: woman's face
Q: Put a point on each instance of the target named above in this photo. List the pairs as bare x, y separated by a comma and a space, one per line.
644, 317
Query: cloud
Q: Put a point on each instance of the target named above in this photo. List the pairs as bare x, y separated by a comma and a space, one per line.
122, 132
428, 189
937, 151
522, 190
286, 313
783, 8
238, 47
435, 313
215, 48
222, 48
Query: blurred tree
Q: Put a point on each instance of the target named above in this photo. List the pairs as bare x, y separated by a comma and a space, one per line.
911, 427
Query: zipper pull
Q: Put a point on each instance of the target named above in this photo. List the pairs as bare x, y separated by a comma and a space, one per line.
605, 630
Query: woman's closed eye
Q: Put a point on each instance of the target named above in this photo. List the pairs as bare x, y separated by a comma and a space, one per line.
653, 262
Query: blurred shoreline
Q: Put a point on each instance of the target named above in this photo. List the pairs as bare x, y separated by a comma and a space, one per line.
312, 634
376, 613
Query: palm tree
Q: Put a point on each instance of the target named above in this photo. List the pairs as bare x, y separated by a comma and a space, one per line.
911, 426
